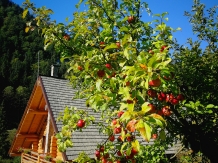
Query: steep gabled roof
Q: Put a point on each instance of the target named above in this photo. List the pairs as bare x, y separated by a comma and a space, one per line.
59, 94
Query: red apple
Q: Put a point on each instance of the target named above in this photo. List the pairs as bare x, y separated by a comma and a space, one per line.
154, 136
129, 138
134, 151
169, 97
129, 101
174, 101
100, 73
127, 83
112, 138
133, 161
152, 93
180, 97
113, 74
119, 139
81, 123
153, 108
80, 68
108, 66
119, 153
160, 112
106, 155
161, 96
129, 156
97, 153
66, 37
120, 113
102, 44
163, 48
118, 44
166, 111
101, 149
104, 160
114, 122
155, 82
117, 130
151, 52
130, 19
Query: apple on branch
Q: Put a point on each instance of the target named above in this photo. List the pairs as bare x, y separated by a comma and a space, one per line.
81, 123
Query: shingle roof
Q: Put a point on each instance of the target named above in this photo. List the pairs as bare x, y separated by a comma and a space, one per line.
59, 93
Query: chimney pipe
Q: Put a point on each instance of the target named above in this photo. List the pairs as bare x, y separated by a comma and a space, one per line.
54, 70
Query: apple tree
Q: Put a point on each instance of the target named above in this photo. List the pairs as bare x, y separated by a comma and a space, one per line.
123, 68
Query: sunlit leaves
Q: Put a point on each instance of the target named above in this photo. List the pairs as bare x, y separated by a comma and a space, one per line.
24, 13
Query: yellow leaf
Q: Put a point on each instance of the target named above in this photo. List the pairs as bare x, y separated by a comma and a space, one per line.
143, 133
130, 107
24, 13
125, 116
145, 107
157, 116
136, 145
38, 22
27, 29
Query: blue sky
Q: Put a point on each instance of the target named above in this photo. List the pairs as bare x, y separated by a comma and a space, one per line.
175, 8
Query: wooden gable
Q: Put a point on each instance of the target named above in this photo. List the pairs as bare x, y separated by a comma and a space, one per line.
31, 124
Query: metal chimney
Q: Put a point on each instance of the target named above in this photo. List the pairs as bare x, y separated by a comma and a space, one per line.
54, 70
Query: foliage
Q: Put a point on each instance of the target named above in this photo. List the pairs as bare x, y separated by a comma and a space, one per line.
3, 135
82, 158
19, 61
48, 158
197, 119
115, 59
124, 68
11, 135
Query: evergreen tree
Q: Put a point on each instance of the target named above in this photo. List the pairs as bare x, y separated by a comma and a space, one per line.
20, 53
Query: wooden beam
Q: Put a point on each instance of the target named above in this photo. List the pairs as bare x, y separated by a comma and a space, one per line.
27, 135
31, 139
30, 111
14, 154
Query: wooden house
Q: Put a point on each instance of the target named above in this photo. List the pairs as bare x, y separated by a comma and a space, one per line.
39, 124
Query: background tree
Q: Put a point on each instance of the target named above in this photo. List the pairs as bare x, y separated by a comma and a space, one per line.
196, 66
3, 135
19, 65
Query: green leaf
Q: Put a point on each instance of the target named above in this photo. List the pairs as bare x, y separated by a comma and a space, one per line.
123, 146
145, 107
170, 37
123, 106
38, 22
98, 84
124, 29
163, 14
148, 130
111, 46
126, 38
126, 54
126, 116
210, 106
162, 135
